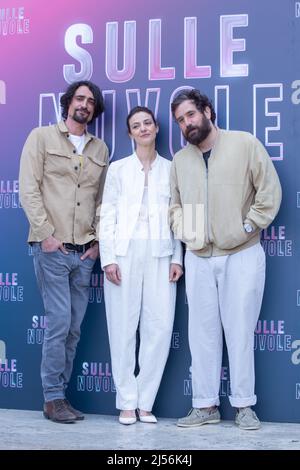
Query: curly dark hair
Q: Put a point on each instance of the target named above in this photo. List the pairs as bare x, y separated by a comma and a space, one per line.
66, 99
200, 101
139, 109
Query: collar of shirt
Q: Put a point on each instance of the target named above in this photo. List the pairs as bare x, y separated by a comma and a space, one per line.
64, 130
140, 165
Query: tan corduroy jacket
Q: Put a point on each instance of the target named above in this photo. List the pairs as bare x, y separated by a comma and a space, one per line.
61, 191
209, 206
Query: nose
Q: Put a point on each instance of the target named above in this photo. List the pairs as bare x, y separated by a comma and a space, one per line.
85, 103
187, 121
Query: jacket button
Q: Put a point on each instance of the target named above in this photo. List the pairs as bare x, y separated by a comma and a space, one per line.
74, 151
75, 167
78, 203
78, 186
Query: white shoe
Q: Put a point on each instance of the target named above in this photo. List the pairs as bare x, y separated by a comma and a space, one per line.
127, 419
147, 418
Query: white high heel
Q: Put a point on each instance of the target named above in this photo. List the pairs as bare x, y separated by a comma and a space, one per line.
127, 420
147, 418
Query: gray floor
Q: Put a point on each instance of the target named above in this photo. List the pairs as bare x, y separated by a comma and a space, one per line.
29, 430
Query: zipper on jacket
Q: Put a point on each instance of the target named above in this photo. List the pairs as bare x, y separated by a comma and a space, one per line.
206, 205
206, 156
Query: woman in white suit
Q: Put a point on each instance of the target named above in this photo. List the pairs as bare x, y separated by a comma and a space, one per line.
142, 263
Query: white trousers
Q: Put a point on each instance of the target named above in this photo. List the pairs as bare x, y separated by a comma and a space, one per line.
146, 298
224, 293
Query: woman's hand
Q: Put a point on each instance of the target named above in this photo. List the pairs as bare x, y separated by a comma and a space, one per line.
176, 272
113, 273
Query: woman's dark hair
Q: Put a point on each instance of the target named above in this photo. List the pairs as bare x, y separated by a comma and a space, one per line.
66, 99
199, 100
139, 109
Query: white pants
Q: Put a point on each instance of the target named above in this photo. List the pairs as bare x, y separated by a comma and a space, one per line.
224, 293
146, 298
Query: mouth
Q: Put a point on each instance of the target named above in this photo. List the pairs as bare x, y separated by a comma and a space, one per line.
83, 112
190, 131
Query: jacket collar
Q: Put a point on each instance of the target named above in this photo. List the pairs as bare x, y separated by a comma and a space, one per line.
139, 164
63, 128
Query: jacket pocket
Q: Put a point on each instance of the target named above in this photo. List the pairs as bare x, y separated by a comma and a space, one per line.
230, 236
96, 161
57, 162
93, 168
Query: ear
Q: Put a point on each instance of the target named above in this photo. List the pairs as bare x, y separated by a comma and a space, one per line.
157, 129
207, 112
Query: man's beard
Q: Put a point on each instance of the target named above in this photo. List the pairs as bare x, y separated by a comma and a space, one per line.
197, 134
80, 118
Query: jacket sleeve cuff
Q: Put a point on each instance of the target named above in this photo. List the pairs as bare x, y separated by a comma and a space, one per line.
107, 262
107, 256
175, 260
177, 255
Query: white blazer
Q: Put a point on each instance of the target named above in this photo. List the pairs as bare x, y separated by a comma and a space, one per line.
121, 204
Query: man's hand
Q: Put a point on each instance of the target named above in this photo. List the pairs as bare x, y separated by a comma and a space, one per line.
51, 244
175, 272
92, 252
113, 273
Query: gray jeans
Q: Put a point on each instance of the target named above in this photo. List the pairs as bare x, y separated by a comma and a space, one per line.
64, 282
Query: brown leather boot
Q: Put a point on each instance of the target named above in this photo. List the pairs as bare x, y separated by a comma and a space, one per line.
57, 411
79, 415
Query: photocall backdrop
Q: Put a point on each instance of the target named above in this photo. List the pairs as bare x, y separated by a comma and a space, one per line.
242, 54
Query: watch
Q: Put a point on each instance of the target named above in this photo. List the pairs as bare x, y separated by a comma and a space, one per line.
248, 228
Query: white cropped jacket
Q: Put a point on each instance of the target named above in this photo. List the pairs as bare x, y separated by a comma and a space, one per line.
121, 203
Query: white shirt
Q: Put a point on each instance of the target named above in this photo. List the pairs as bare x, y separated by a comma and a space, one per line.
78, 141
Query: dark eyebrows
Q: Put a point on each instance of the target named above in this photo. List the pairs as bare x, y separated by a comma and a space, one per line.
91, 100
148, 120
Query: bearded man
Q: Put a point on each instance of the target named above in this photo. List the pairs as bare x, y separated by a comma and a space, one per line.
224, 191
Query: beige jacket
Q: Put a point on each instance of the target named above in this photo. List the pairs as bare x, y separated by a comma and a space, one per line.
61, 191
209, 207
